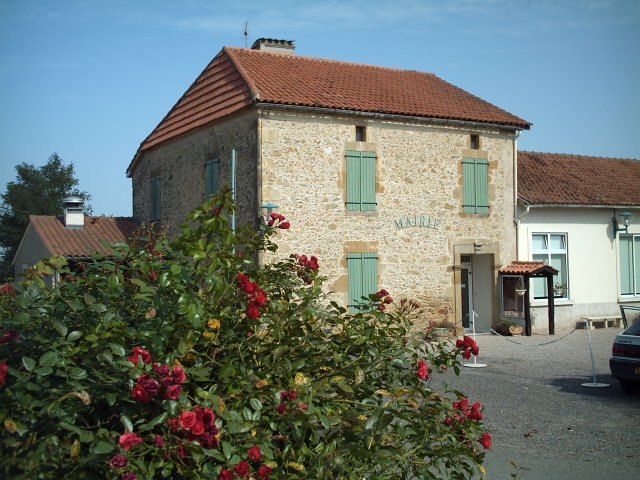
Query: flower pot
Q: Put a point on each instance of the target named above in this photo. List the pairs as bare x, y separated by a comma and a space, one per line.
440, 332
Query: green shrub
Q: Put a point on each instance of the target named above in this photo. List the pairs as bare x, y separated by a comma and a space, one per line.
189, 359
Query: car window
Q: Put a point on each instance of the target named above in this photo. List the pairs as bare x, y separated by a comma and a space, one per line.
634, 329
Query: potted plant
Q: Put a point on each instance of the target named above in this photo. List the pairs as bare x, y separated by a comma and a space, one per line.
559, 289
439, 330
508, 327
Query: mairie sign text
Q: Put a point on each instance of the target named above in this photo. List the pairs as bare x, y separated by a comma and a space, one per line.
423, 221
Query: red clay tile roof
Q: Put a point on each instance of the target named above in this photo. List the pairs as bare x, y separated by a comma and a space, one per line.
521, 267
239, 77
562, 179
81, 242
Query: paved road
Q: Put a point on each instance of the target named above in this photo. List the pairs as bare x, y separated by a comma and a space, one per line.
541, 417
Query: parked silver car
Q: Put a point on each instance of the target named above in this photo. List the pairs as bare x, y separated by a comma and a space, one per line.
625, 354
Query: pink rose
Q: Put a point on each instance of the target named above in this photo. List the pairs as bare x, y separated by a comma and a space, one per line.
128, 440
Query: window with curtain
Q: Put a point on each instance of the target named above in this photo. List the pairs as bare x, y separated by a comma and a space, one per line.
629, 264
363, 276
155, 199
211, 172
361, 181
475, 185
551, 249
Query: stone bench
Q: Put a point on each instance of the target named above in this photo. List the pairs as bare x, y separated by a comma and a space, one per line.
604, 321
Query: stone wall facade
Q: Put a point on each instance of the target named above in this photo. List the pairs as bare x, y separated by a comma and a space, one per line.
296, 159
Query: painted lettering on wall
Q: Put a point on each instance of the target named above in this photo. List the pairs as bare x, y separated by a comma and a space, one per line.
417, 221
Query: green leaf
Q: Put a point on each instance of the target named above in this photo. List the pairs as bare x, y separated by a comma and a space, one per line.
256, 404
48, 359
156, 421
126, 421
60, 328
113, 282
29, 363
103, 447
78, 373
73, 336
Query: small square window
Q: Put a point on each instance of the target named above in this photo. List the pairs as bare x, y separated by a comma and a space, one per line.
361, 134
474, 142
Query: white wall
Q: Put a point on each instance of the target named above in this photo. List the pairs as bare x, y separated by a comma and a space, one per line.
592, 260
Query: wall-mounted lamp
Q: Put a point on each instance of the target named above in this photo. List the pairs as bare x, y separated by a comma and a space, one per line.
266, 210
624, 219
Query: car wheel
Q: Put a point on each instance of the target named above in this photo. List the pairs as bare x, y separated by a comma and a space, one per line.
628, 387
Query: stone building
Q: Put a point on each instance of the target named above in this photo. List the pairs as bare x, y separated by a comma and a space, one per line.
393, 178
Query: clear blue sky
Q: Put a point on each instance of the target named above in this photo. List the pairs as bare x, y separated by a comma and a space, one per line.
90, 79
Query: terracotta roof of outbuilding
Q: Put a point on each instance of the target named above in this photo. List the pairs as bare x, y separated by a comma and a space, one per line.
521, 267
81, 242
563, 179
239, 77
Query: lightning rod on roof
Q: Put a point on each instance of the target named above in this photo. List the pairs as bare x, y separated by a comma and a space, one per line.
245, 32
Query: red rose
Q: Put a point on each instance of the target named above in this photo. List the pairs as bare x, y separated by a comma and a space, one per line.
242, 469
9, 335
225, 474
281, 408
172, 392
162, 369
139, 352
198, 428
187, 420
3, 372
139, 394
128, 440
255, 453
178, 374
382, 293
284, 225
208, 417
7, 289
423, 370
263, 472
158, 441
288, 395
261, 298
252, 310
485, 440
129, 476
118, 461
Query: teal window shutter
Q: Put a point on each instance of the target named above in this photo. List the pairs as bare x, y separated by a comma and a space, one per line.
211, 172
363, 276
475, 185
361, 181
629, 264
155, 199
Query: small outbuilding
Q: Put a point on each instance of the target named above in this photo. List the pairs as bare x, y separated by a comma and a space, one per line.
514, 287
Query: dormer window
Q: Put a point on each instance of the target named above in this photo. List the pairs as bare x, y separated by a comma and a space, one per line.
361, 134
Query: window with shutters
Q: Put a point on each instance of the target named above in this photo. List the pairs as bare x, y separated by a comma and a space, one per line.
475, 184
629, 264
155, 199
361, 181
211, 172
363, 276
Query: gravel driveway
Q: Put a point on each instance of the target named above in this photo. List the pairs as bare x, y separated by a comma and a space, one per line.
542, 417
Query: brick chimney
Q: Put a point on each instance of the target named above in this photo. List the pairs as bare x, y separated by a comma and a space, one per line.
274, 45
73, 212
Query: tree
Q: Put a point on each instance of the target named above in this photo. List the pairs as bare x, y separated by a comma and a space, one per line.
37, 191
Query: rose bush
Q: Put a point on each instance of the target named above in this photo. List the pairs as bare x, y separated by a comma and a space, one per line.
189, 359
